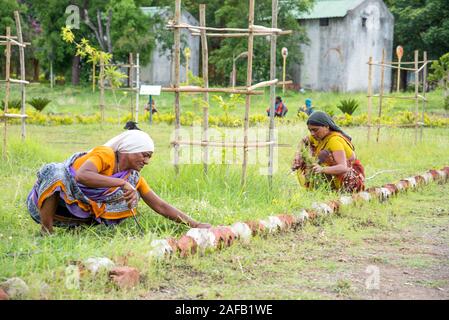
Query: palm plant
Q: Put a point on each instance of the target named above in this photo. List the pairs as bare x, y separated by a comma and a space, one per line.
348, 106
39, 103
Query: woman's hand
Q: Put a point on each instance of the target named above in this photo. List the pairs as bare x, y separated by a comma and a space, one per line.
201, 225
317, 168
297, 162
129, 194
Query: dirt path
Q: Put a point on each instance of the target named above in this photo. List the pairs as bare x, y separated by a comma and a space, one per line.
395, 250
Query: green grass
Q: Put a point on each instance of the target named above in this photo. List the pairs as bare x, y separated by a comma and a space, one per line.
217, 198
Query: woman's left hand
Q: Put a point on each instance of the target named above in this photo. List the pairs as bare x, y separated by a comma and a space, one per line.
317, 168
201, 225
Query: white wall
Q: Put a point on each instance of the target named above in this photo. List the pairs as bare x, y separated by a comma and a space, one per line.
335, 59
160, 70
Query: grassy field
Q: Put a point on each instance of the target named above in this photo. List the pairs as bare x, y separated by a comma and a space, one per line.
81, 100
217, 199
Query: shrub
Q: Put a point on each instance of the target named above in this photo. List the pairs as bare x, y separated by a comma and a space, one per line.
446, 104
329, 110
348, 106
39, 103
14, 103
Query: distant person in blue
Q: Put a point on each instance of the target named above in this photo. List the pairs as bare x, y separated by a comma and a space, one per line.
280, 109
307, 108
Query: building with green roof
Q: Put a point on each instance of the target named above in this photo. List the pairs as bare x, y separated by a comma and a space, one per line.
343, 34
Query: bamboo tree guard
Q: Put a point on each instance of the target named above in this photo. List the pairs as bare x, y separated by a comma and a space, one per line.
370, 94
187, 54
381, 93
284, 66
249, 76
424, 89
138, 88
9, 41
134, 69
177, 59
130, 78
273, 44
249, 90
205, 62
417, 69
416, 95
399, 53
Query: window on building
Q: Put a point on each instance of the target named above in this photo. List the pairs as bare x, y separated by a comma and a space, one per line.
324, 22
364, 22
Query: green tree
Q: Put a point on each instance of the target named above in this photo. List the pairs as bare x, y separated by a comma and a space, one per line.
234, 14
7, 9
122, 23
440, 73
421, 25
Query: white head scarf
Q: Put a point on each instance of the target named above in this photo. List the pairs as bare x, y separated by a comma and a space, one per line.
131, 141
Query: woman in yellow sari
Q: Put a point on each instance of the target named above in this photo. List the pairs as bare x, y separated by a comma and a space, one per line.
334, 155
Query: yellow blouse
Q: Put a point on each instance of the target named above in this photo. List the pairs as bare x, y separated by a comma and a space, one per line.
333, 142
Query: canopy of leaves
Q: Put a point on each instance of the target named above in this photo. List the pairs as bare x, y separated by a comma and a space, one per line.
421, 25
129, 31
234, 14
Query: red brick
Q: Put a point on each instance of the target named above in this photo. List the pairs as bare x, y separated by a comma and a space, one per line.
392, 187
3, 295
125, 277
255, 226
435, 174
287, 219
224, 236
334, 205
187, 246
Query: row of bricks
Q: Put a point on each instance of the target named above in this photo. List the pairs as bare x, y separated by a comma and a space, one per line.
200, 240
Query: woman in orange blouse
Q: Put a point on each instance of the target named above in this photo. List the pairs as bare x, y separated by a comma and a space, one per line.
100, 186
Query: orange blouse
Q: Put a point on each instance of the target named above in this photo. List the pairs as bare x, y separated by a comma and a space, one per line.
104, 160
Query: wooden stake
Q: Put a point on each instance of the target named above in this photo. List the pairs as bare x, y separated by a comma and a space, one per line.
52, 78
241, 35
381, 92
370, 94
225, 144
416, 95
424, 89
194, 89
101, 83
249, 75
391, 66
7, 89
137, 88
274, 21
205, 62
131, 78
255, 29
177, 60
22, 71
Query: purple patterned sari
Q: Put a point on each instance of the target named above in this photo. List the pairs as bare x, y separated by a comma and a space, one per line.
74, 195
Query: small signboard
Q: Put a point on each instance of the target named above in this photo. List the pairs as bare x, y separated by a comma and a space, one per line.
150, 90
